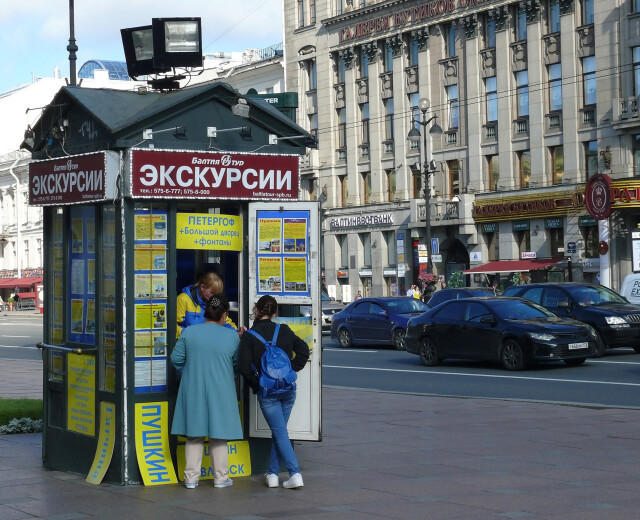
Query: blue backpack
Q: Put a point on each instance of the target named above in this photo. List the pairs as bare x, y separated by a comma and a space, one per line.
277, 376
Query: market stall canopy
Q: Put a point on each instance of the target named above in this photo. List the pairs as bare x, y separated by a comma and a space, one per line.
513, 266
13, 283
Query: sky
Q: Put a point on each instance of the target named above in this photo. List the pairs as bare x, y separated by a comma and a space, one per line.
34, 34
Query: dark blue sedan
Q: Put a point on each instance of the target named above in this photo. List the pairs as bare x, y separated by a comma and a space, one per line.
370, 321
510, 330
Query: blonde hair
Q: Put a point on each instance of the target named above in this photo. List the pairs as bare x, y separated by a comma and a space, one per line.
211, 281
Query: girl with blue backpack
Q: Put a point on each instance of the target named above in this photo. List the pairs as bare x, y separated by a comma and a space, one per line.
273, 382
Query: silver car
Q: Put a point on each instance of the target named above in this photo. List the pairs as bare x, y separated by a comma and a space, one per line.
329, 307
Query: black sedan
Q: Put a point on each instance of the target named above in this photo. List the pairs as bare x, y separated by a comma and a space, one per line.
616, 321
510, 330
444, 295
370, 321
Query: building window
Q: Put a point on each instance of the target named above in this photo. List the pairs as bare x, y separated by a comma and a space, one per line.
553, 16
390, 242
312, 11
365, 243
454, 178
342, 128
388, 119
591, 158
490, 34
415, 116
391, 185
417, 182
491, 93
364, 123
312, 76
636, 6
520, 24
452, 104
344, 193
450, 40
587, 12
636, 154
301, 13
557, 163
363, 64
523, 239
524, 168
343, 243
589, 80
522, 93
493, 246
366, 187
556, 237
387, 58
636, 71
555, 87
313, 125
412, 52
338, 9
493, 172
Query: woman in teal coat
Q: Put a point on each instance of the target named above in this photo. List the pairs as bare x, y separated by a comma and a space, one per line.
207, 404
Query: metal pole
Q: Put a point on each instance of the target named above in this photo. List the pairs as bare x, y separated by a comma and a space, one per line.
427, 196
72, 47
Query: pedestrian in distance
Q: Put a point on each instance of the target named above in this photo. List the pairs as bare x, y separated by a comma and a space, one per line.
275, 408
207, 404
359, 295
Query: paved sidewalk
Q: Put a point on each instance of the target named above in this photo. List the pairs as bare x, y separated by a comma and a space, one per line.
385, 456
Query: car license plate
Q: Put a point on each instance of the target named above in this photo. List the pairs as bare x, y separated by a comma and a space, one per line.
578, 346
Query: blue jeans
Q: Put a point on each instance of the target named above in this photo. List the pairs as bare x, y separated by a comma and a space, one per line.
276, 410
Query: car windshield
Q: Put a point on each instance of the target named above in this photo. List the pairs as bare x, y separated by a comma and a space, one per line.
519, 310
587, 295
326, 297
406, 306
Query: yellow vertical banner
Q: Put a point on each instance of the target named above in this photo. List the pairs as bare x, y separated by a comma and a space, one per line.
106, 441
239, 459
152, 444
81, 394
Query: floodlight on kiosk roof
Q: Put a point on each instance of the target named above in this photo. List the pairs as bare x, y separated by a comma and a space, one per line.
177, 42
137, 43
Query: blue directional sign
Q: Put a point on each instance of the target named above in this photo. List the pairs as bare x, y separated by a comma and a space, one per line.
435, 246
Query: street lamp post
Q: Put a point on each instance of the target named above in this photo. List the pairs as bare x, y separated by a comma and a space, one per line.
428, 167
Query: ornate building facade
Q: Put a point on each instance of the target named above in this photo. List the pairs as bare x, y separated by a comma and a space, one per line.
533, 98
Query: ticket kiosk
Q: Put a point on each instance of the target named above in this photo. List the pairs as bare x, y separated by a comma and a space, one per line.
140, 196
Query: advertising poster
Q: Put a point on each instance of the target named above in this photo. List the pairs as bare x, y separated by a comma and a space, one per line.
151, 226
151, 316
150, 258
77, 316
270, 274
208, 231
283, 252
106, 442
150, 285
295, 274
81, 394
152, 443
77, 236
239, 460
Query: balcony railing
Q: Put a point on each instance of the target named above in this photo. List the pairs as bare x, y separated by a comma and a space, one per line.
587, 116
451, 137
490, 132
521, 127
553, 122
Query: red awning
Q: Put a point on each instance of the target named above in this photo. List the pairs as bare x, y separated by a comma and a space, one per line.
25, 295
512, 266
12, 283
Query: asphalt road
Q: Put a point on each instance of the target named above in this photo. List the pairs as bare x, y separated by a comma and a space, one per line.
613, 380
19, 333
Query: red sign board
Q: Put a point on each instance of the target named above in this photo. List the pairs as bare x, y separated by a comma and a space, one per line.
72, 179
598, 196
206, 175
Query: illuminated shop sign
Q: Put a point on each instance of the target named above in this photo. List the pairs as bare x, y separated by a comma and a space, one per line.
403, 17
206, 175
543, 205
625, 194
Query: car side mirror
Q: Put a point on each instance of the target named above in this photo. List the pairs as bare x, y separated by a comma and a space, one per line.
487, 319
564, 305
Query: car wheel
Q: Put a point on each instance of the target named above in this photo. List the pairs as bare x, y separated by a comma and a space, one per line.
575, 362
344, 338
398, 339
601, 346
428, 352
512, 356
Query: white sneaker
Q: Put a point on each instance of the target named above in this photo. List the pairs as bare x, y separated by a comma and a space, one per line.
295, 481
271, 480
224, 483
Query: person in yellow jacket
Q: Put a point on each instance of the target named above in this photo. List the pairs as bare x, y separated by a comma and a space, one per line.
192, 301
